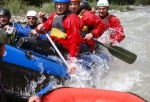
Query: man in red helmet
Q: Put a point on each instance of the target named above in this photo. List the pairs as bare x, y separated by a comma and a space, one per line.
65, 30
91, 26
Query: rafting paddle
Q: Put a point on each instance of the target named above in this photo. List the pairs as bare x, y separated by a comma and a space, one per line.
55, 47
119, 52
39, 94
43, 91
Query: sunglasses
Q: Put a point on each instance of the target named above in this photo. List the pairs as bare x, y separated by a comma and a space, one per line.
31, 18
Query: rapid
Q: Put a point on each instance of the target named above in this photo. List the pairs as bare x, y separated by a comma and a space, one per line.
120, 75
116, 75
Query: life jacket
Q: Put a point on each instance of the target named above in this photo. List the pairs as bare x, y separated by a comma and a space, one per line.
107, 18
58, 30
85, 29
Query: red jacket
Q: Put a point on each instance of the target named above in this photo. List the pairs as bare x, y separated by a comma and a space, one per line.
96, 27
117, 33
72, 26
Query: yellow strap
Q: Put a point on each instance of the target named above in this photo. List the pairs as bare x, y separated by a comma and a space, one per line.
58, 33
85, 28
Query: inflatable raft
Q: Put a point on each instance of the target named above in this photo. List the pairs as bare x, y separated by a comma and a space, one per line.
89, 95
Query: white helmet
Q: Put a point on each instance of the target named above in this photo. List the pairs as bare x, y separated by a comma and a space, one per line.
32, 13
103, 3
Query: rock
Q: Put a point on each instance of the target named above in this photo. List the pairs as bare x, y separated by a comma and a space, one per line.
18, 19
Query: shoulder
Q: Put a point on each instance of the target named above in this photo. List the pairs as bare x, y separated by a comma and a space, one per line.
113, 17
89, 14
17, 25
73, 16
52, 15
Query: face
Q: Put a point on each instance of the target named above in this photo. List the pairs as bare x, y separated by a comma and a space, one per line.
102, 10
74, 6
4, 20
61, 7
2, 50
31, 20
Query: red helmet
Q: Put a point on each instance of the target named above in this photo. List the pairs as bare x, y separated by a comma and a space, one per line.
76, 0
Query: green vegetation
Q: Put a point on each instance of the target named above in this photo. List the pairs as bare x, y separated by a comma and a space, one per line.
20, 7
143, 2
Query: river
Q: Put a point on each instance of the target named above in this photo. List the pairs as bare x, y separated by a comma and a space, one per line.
136, 77
120, 75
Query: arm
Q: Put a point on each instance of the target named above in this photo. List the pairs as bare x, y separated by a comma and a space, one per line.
118, 34
43, 36
21, 31
72, 25
97, 26
34, 99
46, 25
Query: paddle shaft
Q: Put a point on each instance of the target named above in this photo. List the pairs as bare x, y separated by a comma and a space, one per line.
119, 52
60, 55
44, 90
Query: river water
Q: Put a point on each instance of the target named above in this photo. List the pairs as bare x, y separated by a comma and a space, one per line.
136, 77
120, 75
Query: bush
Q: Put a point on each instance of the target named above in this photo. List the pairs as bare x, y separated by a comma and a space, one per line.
142, 2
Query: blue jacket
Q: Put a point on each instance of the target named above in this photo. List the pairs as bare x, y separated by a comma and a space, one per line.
25, 31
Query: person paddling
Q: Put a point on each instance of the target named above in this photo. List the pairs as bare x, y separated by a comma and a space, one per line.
90, 25
32, 23
67, 26
115, 33
15, 30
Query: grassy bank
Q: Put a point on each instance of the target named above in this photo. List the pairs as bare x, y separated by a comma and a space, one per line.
18, 7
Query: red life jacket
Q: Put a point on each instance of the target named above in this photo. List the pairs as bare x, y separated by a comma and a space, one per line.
107, 18
115, 27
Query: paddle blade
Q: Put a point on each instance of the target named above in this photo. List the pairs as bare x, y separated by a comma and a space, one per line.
122, 54
43, 91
